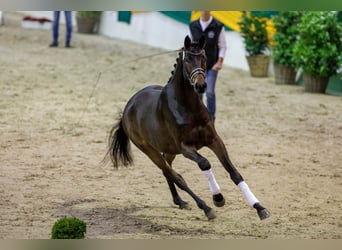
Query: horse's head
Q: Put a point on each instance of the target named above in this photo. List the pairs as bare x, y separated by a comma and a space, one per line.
194, 63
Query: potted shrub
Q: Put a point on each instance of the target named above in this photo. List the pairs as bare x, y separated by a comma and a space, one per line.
285, 37
319, 48
88, 21
253, 30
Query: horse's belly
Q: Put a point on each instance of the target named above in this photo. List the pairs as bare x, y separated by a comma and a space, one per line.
143, 122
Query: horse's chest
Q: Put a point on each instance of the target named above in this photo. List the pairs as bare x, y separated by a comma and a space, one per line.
198, 135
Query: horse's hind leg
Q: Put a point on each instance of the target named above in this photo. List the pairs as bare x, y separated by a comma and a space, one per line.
220, 150
176, 198
176, 178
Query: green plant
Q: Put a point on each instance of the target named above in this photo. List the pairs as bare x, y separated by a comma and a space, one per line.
285, 37
68, 228
89, 13
253, 30
319, 47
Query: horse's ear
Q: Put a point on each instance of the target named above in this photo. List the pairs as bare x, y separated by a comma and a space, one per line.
187, 42
202, 42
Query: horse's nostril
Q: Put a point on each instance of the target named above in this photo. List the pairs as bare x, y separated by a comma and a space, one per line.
200, 88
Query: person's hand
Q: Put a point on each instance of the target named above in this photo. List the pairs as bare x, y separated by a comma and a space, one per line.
217, 66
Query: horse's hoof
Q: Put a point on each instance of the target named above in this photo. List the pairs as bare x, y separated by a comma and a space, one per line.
264, 214
184, 205
219, 200
180, 203
210, 214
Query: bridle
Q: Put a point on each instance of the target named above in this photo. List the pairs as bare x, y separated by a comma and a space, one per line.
196, 71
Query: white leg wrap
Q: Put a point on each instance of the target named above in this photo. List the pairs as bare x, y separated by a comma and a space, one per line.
247, 192
214, 187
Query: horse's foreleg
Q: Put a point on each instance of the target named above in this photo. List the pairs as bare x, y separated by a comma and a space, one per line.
220, 150
176, 198
204, 165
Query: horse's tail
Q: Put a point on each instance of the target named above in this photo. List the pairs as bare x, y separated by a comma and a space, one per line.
119, 149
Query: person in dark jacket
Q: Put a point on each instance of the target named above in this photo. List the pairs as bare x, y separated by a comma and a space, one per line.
215, 49
55, 26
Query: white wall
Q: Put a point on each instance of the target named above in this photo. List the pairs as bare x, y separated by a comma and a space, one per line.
235, 55
49, 14
156, 29
151, 28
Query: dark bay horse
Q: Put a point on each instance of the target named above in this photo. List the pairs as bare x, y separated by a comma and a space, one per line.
166, 121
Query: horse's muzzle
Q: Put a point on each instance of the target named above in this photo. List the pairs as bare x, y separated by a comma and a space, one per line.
200, 88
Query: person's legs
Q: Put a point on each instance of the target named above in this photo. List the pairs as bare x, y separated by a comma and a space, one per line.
210, 92
68, 21
55, 26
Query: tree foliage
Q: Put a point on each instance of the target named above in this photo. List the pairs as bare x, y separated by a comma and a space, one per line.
285, 37
253, 30
319, 47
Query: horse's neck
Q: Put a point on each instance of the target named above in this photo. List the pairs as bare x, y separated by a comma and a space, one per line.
181, 100
182, 90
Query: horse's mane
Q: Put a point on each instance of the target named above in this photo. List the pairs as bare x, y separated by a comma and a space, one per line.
174, 66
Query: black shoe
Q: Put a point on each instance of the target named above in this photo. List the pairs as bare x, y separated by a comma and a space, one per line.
68, 46
52, 45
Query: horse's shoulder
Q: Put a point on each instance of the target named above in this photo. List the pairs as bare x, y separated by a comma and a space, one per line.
152, 88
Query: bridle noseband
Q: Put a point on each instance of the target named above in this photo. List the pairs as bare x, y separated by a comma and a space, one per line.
195, 72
